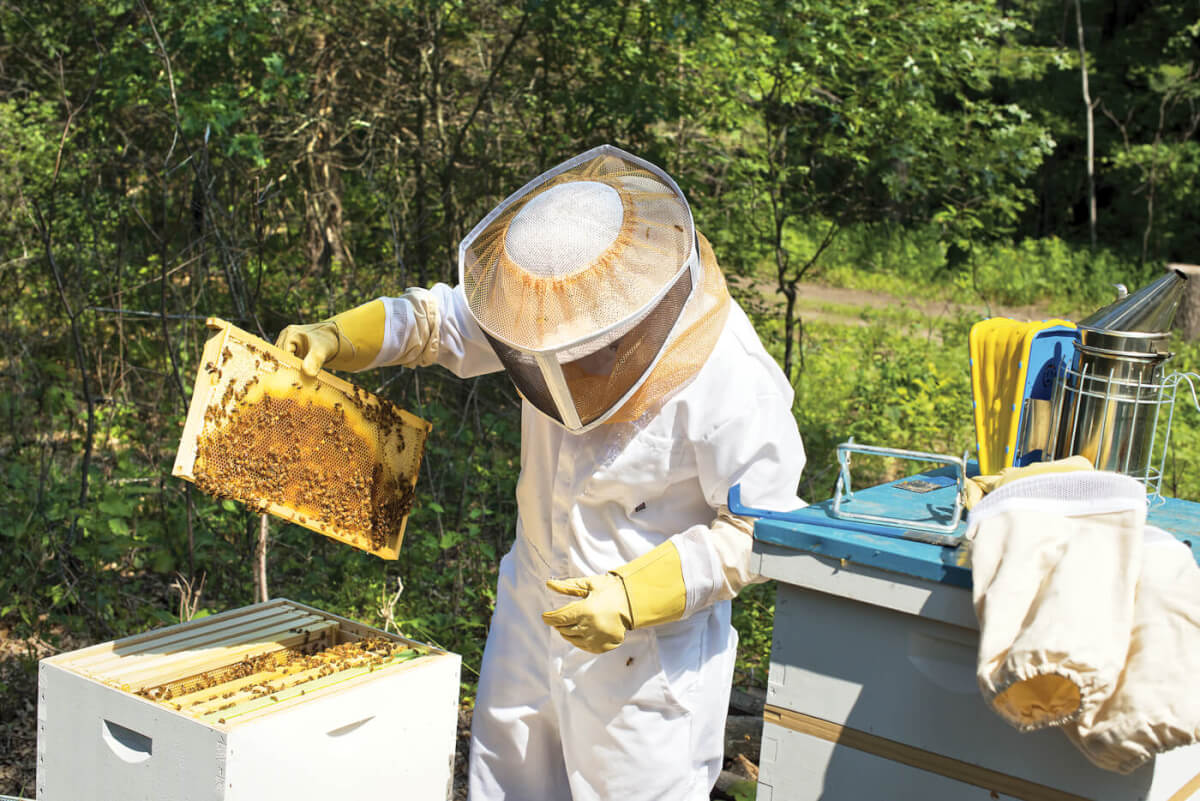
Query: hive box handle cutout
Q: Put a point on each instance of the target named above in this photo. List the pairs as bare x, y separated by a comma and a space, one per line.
349, 727
128, 745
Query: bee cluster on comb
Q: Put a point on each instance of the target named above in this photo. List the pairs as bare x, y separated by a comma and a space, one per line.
226, 692
320, 452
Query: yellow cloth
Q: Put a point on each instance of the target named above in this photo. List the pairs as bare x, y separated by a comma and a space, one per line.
654, 585
348, 341
644, 592
976, 488
1000, 349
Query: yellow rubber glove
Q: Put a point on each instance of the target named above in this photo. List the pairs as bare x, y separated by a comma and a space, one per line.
348, 341
976, 488
645, 592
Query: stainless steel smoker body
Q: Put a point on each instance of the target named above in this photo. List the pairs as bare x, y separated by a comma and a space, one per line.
1108, 400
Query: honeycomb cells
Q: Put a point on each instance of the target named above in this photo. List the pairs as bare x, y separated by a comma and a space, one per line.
276, 676
325, 456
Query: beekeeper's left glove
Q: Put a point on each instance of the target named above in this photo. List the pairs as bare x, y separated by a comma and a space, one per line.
645, 592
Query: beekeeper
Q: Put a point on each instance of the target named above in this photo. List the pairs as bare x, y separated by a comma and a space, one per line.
647, 395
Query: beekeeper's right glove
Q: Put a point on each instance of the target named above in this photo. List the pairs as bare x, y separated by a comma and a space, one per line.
348, 341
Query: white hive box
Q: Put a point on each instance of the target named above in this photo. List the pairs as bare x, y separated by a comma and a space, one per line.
273, 701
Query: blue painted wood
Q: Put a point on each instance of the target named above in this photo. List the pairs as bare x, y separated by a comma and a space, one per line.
814, 529
919, 559
1181, 518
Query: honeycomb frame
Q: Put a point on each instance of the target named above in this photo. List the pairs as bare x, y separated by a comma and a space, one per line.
318, 452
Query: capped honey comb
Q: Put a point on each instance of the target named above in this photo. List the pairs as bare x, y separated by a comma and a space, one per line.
319, 452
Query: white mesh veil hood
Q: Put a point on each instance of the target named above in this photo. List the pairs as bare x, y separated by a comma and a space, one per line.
579, 280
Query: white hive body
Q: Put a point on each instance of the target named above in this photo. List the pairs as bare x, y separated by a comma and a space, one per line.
275, 701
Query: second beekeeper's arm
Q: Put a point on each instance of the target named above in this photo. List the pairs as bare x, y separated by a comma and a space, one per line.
760, 449
417, 329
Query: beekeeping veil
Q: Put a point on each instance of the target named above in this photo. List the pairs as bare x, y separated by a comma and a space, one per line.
594, 288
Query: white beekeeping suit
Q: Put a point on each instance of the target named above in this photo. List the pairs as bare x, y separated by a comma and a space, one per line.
647, 395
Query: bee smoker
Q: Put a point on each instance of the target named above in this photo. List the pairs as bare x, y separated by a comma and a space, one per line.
1106, 403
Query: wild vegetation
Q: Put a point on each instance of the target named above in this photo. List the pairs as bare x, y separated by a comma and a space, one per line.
271, 161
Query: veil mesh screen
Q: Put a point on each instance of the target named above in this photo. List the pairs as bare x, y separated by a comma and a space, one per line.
535, 309
601, 379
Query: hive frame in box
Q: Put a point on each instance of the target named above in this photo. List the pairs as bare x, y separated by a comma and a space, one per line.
210, 381
362, 736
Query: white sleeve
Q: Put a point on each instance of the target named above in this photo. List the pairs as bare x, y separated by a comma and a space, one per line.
760, 450
716, 560
434, 326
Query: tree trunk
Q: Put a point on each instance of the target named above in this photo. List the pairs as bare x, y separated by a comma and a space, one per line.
789, 326
1091, 128
261, 594
1187, 321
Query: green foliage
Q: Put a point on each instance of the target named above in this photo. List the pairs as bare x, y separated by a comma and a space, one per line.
1064, 277
753, 613
1035, 270
1141, 62
744, 790
275, 162
1181, 466
897, 381
865, 256
834, 115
